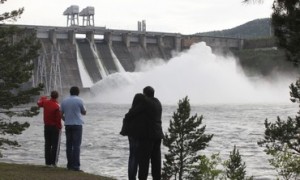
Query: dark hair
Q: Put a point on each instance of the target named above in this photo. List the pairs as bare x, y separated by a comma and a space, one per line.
148, 91
138, 98
74, 91
54, 94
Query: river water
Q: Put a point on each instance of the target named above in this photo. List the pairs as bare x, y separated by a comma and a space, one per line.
105, 152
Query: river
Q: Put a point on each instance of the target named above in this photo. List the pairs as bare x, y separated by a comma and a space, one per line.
105, 152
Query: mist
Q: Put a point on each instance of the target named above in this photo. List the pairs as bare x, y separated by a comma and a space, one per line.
204, 77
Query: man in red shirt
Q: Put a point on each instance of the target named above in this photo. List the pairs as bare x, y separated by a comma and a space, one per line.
52, 128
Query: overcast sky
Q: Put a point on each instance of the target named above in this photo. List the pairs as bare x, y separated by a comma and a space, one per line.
179, 16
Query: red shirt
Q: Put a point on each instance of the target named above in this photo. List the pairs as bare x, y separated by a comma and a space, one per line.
52, 116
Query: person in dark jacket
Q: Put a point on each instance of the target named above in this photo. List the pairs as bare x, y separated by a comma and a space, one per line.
52, 127
146, 129
132, 128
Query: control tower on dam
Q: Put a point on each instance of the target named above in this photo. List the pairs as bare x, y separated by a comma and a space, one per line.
83, 55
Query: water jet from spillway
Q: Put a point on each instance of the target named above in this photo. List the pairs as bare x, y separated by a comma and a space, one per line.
204, 77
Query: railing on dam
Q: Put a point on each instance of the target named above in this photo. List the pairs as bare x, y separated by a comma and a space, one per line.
176, 41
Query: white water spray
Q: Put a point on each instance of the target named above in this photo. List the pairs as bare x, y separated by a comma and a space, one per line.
85, 77
116, 61
197, 73
102, 70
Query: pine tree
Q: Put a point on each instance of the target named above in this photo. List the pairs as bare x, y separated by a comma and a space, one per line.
18, 48
285, 22
13, 15
208, 169
284, 133
282, 138
286, 163
234, 167
184, 140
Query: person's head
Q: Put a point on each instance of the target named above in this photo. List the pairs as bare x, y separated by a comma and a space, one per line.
148, 91
74, 91
54, 94
137, 99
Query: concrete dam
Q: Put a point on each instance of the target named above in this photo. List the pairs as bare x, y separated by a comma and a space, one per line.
71, 54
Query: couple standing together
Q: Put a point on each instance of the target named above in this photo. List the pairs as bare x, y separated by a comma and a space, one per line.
142, 125
70, 111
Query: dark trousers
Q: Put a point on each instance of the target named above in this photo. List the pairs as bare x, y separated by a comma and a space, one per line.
73, 142
149, 149
133, 158
52, 144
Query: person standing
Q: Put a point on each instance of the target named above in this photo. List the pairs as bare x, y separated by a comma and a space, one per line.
147, 118
72, 109
52, 127
151, 145
133, 129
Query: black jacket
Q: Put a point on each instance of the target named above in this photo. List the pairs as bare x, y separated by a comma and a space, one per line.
144, 119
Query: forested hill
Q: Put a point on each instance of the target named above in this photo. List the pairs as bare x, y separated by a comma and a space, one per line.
258, 28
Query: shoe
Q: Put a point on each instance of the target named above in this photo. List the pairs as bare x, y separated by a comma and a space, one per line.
73, 169
78, 170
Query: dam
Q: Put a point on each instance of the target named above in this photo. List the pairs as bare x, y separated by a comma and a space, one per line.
83, 55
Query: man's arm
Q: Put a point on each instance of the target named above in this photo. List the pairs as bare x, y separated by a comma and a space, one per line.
41, 101
58, 118
62, 116
83, 111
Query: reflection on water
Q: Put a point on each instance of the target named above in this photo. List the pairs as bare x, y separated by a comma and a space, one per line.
105, 152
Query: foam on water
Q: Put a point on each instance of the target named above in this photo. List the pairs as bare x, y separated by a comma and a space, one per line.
204, 77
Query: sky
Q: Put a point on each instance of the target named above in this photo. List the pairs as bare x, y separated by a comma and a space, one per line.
174, 16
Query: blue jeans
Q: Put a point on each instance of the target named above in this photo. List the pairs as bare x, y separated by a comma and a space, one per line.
133, 160
73, 142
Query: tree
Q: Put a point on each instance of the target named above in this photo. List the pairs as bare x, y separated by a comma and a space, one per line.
18, 48
13, 15
235, 169
286, 26
282, 138
286, 163
184, 141
208, 168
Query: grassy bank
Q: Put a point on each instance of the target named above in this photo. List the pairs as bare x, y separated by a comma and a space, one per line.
33, 172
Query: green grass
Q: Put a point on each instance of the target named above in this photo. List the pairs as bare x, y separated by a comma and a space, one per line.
34, 172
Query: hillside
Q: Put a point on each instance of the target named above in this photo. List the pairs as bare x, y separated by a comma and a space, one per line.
259, 55
258, 28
